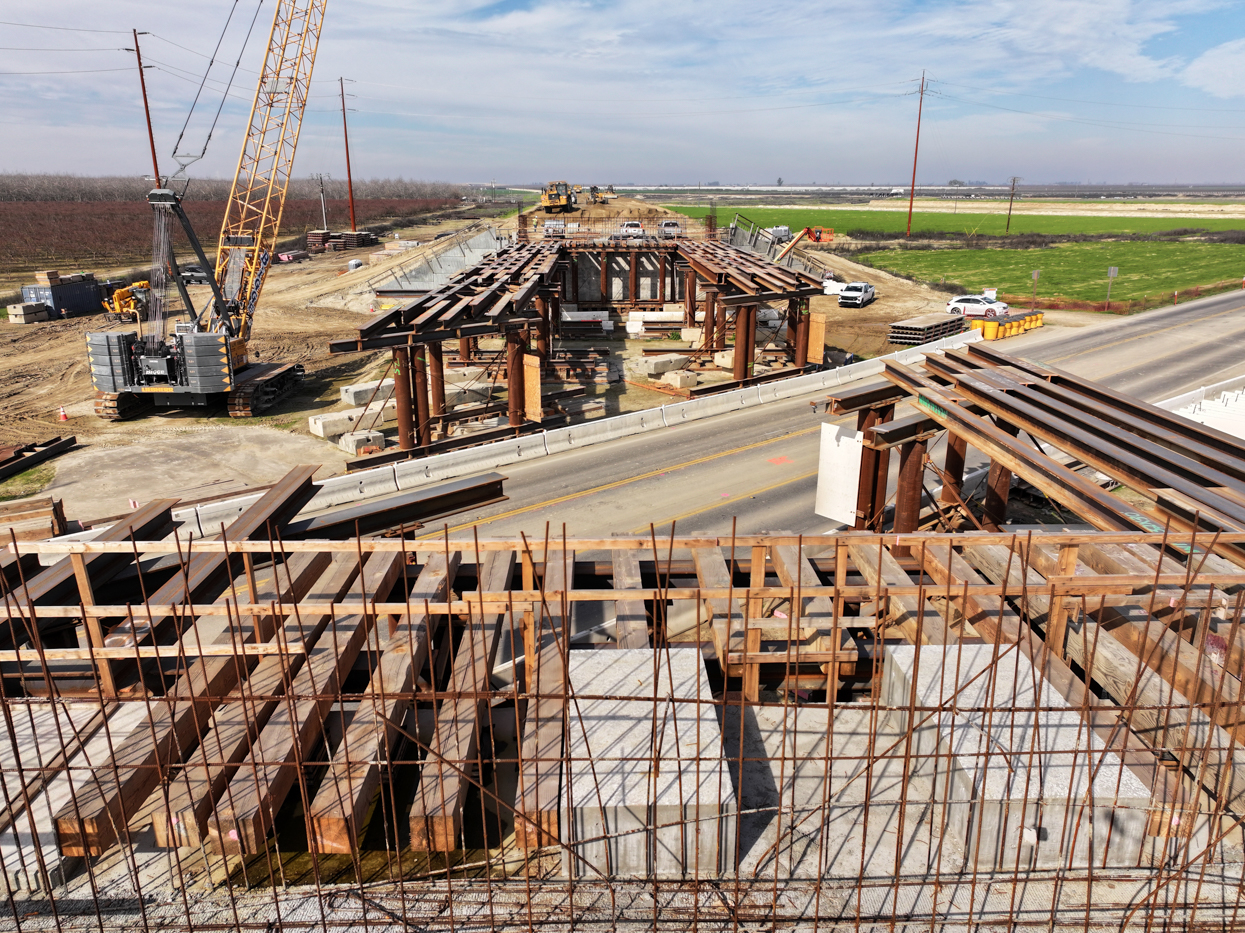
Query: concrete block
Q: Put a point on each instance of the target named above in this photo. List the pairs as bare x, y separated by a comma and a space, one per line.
680, 378
656, 365
465, 375
334, 424
33, 312
354, 441
1019, 766
361, 392
674, 820
693, 335
724, 359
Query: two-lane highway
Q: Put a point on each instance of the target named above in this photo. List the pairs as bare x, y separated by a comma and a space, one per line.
758, 467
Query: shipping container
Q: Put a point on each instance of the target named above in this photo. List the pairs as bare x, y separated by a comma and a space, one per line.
72, 299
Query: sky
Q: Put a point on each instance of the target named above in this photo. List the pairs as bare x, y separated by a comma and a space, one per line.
651, 91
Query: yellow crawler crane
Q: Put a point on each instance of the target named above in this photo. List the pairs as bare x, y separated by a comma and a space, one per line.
207, 359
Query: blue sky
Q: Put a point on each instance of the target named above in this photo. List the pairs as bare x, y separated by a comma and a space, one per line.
656, 92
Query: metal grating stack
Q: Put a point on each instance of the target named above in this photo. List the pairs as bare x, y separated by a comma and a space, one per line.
356, 239
926, 328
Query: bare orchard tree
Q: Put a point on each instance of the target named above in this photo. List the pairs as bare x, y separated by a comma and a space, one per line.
48, 187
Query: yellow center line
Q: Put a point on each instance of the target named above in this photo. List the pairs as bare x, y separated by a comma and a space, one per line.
717, 505
623, 482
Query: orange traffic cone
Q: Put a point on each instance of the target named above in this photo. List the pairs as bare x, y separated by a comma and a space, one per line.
62, 416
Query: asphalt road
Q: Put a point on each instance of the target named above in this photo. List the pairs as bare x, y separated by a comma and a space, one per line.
756, 470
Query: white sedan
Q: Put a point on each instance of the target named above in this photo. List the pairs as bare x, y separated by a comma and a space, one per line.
976, 306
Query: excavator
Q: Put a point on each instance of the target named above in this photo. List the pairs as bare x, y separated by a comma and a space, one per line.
206, 360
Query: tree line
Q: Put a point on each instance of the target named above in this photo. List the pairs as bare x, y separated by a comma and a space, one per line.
52, 187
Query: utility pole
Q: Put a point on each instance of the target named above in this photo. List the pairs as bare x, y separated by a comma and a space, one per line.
324, 214
346, 136
915, 149
1015, 178
142, 81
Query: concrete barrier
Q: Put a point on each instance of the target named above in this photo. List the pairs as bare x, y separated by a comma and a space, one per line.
486, 457
354, 487
211, 515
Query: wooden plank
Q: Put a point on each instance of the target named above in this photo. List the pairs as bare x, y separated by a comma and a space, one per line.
630, 619
918, 623
796, 571
724, 619
99, 816
540, 759
354, 774
182, 820
436, 817
246, 813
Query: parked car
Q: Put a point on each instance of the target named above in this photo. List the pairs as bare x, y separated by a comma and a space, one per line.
669, 229
630, 230
194, 275
856, 295
976, 306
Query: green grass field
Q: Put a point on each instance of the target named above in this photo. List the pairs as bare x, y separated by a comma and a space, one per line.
1076, 271
962, 223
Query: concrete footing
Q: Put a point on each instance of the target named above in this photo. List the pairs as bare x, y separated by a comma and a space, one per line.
1023, 782
650, 792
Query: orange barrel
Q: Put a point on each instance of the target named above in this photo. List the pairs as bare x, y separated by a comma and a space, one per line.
990, 330
1030, 322
975, 325
1040, 322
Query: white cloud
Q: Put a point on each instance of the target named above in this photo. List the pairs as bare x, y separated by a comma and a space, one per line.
1219, 71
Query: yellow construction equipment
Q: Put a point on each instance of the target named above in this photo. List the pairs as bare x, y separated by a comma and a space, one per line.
128, 304
557, 196
206, 360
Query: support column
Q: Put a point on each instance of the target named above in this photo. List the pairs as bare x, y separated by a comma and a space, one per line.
874, 467
575, 278
436, 379
719, 329
953, 466
793, 325
633, 277
402, 398
542, 328
801, 338
908, 497
711, 310
998, 489
751, 342
661, 278
464, 349
419, 383
689, 298
555, 315
741, 342
605, 276
514, 377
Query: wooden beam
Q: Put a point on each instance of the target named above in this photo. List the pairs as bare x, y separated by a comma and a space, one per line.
916, 621
630, 619
88, 824
540, 760
453, 753
183, 819
354, 774
258, 790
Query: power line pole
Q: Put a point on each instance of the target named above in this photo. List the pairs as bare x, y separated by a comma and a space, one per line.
915, 149
346, 136
324, 214
142, 81
1015, 178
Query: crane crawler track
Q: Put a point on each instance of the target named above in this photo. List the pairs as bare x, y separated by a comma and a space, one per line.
120, 406
269, 385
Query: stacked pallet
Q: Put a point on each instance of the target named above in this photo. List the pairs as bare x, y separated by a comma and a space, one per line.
926, 328
356, 239
29, 312
318, 238
49, 277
